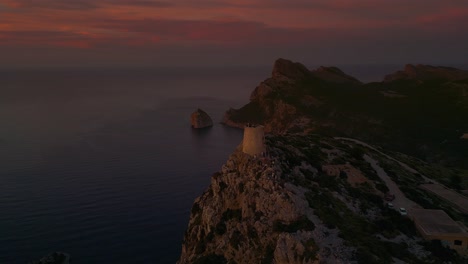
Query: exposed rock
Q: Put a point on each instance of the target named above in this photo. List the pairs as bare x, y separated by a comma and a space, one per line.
353, 175
54, 258
334, 75
200, 119
288, 70
270, 102
421, 72
250, 215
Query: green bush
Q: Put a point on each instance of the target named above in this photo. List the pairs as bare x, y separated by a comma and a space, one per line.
268, 255
220, 228
302, 223
355, 229
442, 253
232, 214
196, 209
211, 259
236, 239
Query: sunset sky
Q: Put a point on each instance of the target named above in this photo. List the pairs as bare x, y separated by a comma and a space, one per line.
228, 32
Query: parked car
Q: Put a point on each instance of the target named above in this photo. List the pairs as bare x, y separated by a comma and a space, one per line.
403, 211
389, 205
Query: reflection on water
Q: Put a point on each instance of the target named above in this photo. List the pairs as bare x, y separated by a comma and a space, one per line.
201, 133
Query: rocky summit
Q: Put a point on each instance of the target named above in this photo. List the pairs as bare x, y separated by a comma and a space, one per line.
427, 72
200, 119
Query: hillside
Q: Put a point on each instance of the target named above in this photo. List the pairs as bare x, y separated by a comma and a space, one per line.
315, 200
421, 111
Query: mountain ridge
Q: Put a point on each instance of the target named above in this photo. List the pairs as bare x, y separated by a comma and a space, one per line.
406, 111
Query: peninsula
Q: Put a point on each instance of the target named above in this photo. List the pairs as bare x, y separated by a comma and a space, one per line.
319, 187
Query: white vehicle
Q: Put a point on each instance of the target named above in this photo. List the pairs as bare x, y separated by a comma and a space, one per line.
389, 205
403, 211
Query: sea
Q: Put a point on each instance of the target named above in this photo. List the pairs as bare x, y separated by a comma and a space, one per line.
103, 163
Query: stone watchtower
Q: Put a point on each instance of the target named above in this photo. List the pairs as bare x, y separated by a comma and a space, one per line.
254, 140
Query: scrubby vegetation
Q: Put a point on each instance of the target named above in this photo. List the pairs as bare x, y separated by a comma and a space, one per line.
359, 231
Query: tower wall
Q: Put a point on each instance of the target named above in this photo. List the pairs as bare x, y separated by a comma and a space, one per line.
253, 143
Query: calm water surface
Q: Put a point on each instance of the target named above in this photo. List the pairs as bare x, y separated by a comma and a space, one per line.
104, 164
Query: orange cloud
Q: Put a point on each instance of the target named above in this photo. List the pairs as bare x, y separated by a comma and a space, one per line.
81, 44
90, 23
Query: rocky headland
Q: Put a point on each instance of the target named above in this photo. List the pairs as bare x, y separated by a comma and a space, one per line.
319, 198
402, 113
314, 200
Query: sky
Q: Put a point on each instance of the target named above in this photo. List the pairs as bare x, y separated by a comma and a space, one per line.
59, 33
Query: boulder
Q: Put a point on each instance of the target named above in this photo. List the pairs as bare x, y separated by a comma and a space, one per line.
200, 119
54, 258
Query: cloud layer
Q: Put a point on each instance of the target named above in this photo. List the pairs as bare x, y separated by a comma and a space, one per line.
399, 27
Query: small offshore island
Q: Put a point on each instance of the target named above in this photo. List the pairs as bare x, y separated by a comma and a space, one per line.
329, 183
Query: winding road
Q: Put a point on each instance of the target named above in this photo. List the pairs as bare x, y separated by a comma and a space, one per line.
400, 199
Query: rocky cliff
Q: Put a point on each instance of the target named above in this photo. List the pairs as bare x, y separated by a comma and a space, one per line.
282, 101
314, 200
242, 215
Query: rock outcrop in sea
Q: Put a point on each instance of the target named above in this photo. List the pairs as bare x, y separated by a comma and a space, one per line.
200, 119
54, 258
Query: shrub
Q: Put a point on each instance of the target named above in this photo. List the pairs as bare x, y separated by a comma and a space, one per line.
211, 259
302, 223
269, 254
232, 214
196, 209
241, 187
444, 254
236, 239
222, 186
220, 228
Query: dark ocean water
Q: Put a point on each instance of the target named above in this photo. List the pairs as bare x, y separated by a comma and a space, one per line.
104, 165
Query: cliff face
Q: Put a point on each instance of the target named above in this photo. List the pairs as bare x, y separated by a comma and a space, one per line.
251, 213
282, 101
316, 200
